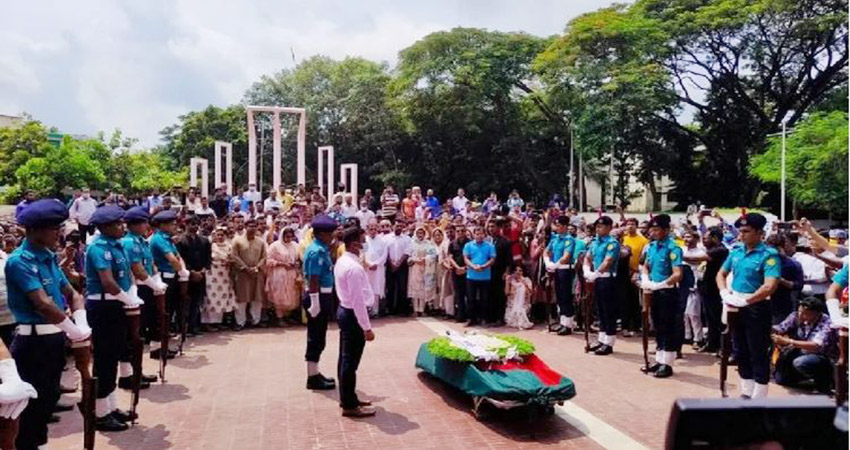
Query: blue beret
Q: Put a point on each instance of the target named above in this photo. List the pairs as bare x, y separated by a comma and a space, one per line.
43, 213
605, 220
137, 214
660, 221
323, 222
107, 214
166, 215
754, 220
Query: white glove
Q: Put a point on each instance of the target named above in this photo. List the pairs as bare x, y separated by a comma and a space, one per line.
81, 321
592, 276
836, 319
645, 284
13, 410
183, 275
732, 299
74, 333
315, 306
13, 389
549, 265
129, 300
657, 286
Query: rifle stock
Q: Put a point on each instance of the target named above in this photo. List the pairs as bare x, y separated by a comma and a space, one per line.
644, 327
726, 346
134, 318
82, 360
163, 334
8, 433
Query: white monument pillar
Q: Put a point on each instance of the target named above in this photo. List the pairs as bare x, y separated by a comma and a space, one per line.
348, 174
329, 149
228, 165
276, 151
194, 165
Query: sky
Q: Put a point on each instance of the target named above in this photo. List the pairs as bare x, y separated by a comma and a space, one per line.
85, 66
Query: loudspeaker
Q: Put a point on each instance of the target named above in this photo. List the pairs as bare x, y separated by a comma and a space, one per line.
799, 422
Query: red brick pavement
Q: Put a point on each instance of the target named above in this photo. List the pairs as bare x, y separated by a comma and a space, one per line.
246, 391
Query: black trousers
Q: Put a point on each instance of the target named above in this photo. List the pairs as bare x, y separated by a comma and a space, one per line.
7, 334
173, 302
150, 318
109, 341
351, 344
564, 292
477, 303
679, 320
40, 360
197, 291
498, 301
752, 342
317, 327
607, 304
664, 311
630, 305
459, 284
397, 301
712, 306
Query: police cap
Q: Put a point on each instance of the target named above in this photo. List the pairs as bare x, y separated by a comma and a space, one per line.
47, 212
754, 220
605, 220
107, 214
323, 222
137, 214
661, 221
164, 216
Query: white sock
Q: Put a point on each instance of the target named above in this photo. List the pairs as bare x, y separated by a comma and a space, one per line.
612, 338
760, 390
125, 369
670, 358
659, 357
43, 447
564, 321
746, 387
113, 401
312, 368
601, 337
101, 407
571, 322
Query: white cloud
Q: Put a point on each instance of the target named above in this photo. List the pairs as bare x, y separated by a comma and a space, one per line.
93, 65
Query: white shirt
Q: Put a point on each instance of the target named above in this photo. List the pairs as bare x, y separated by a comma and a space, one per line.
398, 246
193, 205
459, 204
201, 211
252, 196
376, 251
269, 204
349, 210
364, 216
353, 288
814, 274
82, 209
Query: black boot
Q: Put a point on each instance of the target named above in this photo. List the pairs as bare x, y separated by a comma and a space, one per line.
109, 423
651, 369
664, 371
124, 416
320, 383
127, 383
604, 350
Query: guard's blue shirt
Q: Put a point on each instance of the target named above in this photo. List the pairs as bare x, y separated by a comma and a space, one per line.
138, 250
603, 247
750, 268
662, 256
478, 254
28, 269
161, 245
106, 254
317, 262
580, 247
841, 277
560, 244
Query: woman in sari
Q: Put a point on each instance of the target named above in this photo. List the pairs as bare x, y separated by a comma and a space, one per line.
422, 278
220, 297
282, 274
445, 289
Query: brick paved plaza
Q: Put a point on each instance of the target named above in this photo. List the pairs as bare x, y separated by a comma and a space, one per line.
246, 391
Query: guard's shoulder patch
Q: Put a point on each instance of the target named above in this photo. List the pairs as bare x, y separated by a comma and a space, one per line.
672, 256
610, 246
771, 261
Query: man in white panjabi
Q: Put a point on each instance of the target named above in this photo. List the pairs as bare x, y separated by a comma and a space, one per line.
375, 262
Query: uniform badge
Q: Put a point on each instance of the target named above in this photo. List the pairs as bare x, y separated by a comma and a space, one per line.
610, 246
771, 261
672, 256
107, 256
34, 268
321, 262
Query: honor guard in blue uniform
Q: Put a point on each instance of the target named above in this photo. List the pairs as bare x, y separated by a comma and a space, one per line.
660, 273
559, 258
147, 282
318, 300
755, 270
167, 261
109, 291
37, 291
600, 270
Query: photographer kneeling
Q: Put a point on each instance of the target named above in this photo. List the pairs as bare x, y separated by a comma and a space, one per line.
806, 343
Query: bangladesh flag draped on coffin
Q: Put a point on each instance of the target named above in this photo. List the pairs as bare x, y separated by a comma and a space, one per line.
521, 378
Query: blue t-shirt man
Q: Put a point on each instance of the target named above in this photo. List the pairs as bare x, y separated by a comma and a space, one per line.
479, 253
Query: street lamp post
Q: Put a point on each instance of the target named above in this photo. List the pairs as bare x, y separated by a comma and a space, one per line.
572, 173
782, 182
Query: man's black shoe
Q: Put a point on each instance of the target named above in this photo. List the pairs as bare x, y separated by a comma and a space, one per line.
329, 380
707, 349
595, 347
319, 383
664, 371
556, 328
564, 331
124, 416
62, 408
170, 355
604, 350
109, 423
651, 369
127, 383
150, 378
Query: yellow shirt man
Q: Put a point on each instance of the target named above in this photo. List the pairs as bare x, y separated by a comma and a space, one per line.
636, 243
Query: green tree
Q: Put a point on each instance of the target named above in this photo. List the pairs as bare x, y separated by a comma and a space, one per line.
815, 162
17, 145
69, 165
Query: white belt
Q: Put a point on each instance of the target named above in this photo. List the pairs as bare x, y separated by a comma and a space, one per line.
47, 328
605, 275
104, 297
326, 290
563, 266
167, 275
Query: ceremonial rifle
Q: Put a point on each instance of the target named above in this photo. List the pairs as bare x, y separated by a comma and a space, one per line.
644, 316
726, 346
164, 334
841, 368
587, 291
183, 321
82, 359
134, 321
8, 433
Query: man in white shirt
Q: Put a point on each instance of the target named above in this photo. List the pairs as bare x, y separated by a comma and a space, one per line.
460, 203
252, 194
82, 210
349, 209
204, 210
355, 294
398, 250
375, 262
364, 215
815, 281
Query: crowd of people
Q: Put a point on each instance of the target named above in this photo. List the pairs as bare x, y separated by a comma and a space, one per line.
254, 260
